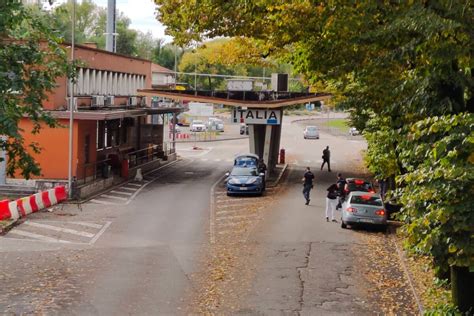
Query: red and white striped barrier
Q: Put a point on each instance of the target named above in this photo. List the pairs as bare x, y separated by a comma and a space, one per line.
31, 204
180, 136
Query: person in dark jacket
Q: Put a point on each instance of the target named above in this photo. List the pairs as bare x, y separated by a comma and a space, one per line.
331, 201
326, 158
341, 183
308, 178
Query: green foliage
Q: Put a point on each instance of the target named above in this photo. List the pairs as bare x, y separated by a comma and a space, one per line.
30, 61
437, 188
405, 72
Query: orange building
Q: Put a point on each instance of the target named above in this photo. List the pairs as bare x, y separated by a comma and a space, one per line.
113, 134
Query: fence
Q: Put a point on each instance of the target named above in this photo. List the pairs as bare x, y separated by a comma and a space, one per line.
89, 172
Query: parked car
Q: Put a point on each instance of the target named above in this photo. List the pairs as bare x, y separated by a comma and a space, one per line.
215, 124
353, 184
364, 208
311, 132
197, 126
353, 131
244, 180
244, 129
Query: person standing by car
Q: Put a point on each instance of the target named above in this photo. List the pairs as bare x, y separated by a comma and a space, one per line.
307, 184
326, 158
341, 183
331, 201
262, 168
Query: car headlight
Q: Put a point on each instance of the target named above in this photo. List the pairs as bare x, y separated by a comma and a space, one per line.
233, 181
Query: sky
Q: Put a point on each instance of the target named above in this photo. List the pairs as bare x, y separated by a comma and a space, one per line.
140, 12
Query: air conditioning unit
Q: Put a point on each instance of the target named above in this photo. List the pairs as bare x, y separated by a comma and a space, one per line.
97, 101
132, 101
74, 106
109, 100
143, 101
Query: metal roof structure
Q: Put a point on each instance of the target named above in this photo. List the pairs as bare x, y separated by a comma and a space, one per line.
249, 99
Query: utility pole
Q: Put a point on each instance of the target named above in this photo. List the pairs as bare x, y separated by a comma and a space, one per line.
110, 42
3, 160
71, 103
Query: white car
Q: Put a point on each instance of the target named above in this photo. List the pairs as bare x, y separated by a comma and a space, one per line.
215, 124
311, 132
353, 131
198, 126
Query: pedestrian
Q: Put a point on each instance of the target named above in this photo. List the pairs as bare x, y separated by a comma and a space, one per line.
326, 158
331, 201
262, 168
341, 182
307, 184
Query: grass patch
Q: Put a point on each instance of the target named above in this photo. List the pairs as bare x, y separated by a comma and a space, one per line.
341, 124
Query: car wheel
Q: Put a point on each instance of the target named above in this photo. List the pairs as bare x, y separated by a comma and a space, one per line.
343, 225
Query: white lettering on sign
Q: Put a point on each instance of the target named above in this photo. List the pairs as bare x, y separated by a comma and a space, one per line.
256, 116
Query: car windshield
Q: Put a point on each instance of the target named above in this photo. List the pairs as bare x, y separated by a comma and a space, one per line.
246, 162
197, 122
311, 128
244, 172
366, 200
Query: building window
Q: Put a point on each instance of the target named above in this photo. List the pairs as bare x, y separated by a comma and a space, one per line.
101, 132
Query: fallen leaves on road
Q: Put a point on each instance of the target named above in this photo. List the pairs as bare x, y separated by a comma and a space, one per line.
227, 271
379, 263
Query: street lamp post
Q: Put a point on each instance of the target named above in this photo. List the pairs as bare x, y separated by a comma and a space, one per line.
71, 104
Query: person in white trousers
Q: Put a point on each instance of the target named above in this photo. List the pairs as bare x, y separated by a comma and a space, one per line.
331, 202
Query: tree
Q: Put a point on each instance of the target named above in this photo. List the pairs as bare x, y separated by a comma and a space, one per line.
395, 66
31, 59
164, 54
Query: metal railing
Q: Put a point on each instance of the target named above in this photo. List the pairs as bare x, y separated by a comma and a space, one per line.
142, 156
89, 172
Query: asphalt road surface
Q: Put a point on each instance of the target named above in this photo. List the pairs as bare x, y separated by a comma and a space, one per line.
144, 248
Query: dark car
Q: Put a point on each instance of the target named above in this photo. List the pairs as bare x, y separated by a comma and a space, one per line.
243, 180
353, 184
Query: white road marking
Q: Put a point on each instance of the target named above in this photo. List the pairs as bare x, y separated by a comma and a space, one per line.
119, 192
114, 197
229, 160
307, 161
60, 229
217, 160
226, 218
100, 233
204, 159
102, 202
129, 189
35, 236
134, 184
92, 225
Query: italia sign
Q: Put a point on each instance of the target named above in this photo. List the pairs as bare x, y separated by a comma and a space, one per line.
257, 116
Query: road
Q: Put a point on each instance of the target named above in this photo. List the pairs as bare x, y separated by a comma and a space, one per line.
143, 248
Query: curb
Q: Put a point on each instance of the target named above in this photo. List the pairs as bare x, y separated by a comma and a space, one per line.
75, 202
277, 181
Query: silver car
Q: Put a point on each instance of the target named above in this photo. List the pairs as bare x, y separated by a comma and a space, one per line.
311, 132
364, 208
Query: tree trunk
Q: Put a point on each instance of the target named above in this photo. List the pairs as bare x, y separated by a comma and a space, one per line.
462, 288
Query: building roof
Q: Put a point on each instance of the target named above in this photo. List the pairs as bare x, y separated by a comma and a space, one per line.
160, 69
100, 115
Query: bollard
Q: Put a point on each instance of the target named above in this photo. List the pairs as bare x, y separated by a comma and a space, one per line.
282, 155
